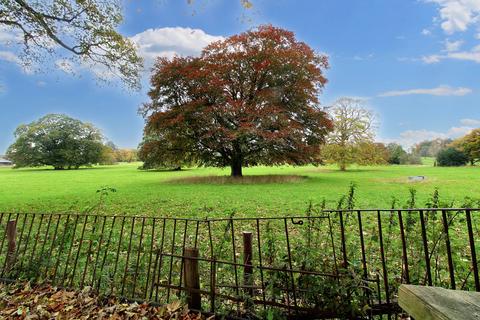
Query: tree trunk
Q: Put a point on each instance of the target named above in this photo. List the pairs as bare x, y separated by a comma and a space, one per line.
343, 166
236, 167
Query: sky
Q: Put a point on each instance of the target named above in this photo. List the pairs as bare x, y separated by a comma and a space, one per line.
416, 63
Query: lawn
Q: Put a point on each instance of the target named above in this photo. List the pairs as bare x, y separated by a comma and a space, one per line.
184, 193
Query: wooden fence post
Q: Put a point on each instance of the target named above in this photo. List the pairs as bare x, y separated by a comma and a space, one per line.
247, 261
12, 245
192, 278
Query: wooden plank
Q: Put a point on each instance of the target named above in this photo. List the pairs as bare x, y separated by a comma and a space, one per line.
432, 303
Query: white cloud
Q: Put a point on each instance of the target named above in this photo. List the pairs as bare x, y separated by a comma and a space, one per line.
434, 58
470, 122
438, 91
426, 32
451, 46
10, 57
458, 15
471, 55
9, 35
409, 138
168, 42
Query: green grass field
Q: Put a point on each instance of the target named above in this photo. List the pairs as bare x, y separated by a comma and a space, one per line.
164, 193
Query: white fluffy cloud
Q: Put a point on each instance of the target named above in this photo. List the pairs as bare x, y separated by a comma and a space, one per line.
451, 46
438, 91
168, 42
458, 15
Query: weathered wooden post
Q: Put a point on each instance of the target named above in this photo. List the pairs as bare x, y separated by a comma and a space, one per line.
192, 278
12, 245
247, 261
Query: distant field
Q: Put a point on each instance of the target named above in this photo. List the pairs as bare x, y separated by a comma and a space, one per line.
166, 193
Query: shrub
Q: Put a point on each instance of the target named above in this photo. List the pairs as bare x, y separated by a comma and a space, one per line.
451, 157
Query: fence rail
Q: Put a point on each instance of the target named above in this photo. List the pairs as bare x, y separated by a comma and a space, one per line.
331, 264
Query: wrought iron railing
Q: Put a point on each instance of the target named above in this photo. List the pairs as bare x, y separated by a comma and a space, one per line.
333, 263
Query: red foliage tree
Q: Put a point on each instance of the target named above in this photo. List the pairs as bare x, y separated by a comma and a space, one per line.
248, 100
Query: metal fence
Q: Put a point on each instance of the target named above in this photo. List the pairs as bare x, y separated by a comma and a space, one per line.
335, 263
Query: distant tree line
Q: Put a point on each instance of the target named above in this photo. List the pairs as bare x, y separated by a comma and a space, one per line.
448, 152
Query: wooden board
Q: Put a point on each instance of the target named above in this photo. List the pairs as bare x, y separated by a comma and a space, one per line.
432, 303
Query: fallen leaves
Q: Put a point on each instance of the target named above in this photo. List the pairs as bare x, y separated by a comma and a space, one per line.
21, 301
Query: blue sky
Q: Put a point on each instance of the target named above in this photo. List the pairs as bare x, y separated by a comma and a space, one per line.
416, 62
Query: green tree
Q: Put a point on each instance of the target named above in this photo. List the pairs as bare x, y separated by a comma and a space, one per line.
85, 30
56, 140
470, 145
353, 126
396, 153
451, 157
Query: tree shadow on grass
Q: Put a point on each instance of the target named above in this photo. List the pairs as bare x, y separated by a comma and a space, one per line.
51, 169
165, 170
254, 179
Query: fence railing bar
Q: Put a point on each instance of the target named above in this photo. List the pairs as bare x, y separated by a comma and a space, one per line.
152, 241
472, 250
260, 262
156, 275
80, 243
183, 253
107, 247
213, 286
26, 240
210, 239
382, 255
451, 269
20, 238
196, 235
89, 251
118, 251
50, 253
60, 251
3, 240
139, 250
425, 248
234, 254
404, 247
70, 249
171, 259
97, 255
289, 252
344, 244
39, 266
128, 255
364, 256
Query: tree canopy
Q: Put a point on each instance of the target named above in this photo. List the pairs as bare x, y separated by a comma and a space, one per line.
451, 157
247, 100
86, 30
56, 140
470, 145
353, 130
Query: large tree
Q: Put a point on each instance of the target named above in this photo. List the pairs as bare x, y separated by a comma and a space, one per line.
56, 140
353, 129
470, 145
247, 100
86, 30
